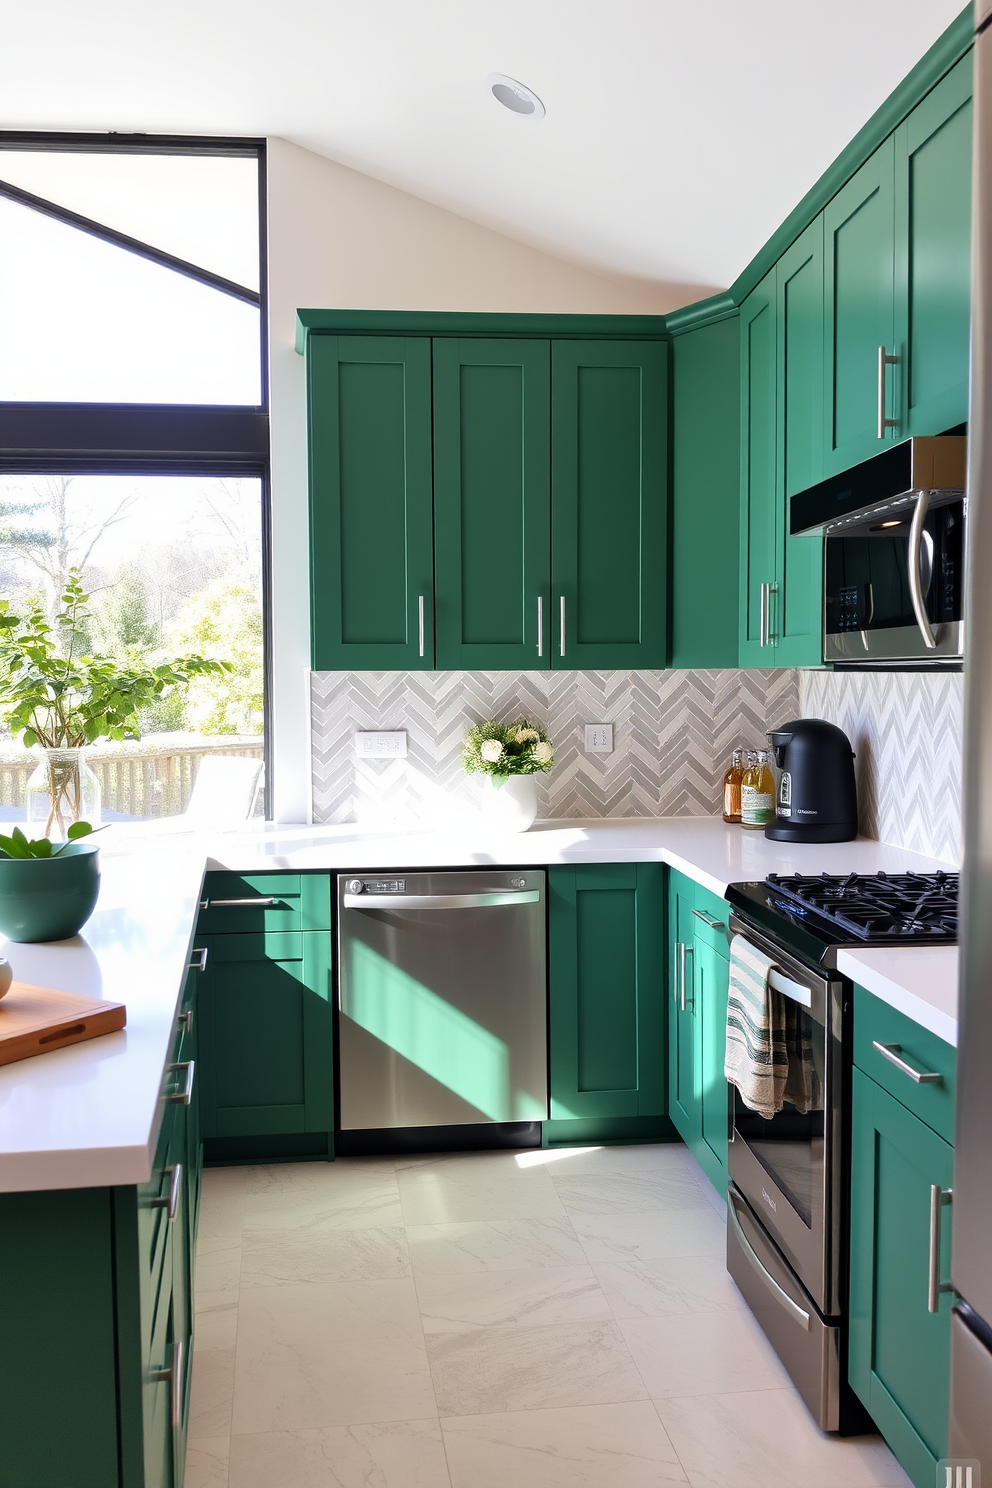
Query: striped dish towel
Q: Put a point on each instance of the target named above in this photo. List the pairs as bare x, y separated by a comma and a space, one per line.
757, 1059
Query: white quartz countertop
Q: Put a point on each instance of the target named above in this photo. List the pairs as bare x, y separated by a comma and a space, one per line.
88, 1115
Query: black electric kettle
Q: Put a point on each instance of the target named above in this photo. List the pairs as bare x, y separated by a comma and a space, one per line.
817, 799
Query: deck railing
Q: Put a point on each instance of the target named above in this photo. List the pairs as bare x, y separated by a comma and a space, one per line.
140, 777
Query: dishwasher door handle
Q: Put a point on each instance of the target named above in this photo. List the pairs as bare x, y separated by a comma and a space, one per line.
439, 901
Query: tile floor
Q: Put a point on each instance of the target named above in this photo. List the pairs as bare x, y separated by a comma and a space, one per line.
541, 1320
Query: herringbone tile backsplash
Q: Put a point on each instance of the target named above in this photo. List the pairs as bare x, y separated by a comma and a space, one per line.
673, 734
906, 732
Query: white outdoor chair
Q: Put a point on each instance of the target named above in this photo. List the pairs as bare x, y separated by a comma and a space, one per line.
225, 791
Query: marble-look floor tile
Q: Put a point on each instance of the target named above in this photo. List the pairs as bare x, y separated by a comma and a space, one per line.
660, 1288
494, 1245
713, 1197
452, 1304
592, 1446
349, 1194
767, 1439
216, 1320
401, 1454
507, 1369
638, 1192
330, 1354
462, 1188
648, 1157
654, 1236
278, 1257
218, 1265
211, 1392
207, 1462
703, 1353
222, 1204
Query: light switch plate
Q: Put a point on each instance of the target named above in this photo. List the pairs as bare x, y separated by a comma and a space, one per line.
599, 738
381, 746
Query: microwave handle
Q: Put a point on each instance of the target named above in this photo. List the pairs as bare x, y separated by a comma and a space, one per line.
915, 580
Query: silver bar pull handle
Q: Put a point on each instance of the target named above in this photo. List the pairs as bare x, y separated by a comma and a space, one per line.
183, 1097
540, 625
772, 632
685, 951
440, 901
706, 919
200, 963
763, 621
185, 1020
938, 1198
779, 982
884, 360
680, 976
174, 1377
420, 620
562, 625
237, 904
171, 1201
779, 1293
893, 1053
915, 577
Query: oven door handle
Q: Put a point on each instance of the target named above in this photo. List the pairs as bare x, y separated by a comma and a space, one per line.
781, 1296
779, 982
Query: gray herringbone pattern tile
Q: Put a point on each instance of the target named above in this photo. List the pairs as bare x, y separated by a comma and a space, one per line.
906, 729
673, 733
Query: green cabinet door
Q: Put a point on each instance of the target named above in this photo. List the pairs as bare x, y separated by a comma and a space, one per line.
859, 294
711, 972
607, 990
796, 611
706, 442
682, 1104
899, 1352
759, 500
933, 254
609, 515
266, 1060
371, 504
492, 503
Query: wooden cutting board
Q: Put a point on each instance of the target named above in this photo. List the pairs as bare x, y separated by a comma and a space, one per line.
35, 1020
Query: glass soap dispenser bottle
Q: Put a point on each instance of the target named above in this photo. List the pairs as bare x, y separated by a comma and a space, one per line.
758, 793
732, 788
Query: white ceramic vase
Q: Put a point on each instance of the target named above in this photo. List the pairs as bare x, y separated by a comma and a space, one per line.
512, 806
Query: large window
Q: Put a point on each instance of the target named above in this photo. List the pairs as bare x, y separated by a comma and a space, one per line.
134, 432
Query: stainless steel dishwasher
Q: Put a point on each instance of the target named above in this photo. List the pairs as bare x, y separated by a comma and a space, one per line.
442, 999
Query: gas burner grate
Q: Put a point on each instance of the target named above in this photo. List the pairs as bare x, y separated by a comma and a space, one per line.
878, 906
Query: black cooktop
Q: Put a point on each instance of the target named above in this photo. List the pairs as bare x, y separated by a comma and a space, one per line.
818, 913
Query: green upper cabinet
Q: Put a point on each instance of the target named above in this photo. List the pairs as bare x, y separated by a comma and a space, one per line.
492, 502
759, 504
859, 259
606, 992
706, 412
609, 517
933, 256
371, 503
796, 608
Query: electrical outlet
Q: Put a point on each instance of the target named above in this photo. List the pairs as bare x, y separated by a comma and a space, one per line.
381, 746
599, 738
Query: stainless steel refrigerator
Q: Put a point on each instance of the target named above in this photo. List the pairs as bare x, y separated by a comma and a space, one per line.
971, 1255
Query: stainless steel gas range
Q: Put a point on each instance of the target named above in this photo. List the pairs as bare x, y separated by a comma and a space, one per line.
788, 1197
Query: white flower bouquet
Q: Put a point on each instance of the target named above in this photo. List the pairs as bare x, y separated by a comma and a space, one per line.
501, 750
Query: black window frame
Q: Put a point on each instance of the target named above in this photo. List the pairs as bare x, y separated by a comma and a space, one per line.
49, 438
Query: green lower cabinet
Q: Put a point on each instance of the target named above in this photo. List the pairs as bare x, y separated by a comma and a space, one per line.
699, 978
265, 1036
607, 1000
899, 1352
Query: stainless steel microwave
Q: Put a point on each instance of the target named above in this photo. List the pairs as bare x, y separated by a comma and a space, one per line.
893, 554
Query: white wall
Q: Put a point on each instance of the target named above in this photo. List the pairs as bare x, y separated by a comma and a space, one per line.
340, 239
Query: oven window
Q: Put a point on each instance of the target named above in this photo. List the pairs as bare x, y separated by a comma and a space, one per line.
789, 1146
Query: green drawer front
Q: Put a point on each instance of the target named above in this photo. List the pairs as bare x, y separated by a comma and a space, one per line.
710, 918
931, 1100
153, 1196
239, 904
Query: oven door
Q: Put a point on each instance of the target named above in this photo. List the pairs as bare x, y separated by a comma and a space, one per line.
788, 1167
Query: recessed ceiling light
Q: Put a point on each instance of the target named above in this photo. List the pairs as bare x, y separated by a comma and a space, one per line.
514, 96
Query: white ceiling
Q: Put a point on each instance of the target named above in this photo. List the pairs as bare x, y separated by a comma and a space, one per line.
678, 133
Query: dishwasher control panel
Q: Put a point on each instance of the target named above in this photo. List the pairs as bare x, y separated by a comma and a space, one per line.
377, 886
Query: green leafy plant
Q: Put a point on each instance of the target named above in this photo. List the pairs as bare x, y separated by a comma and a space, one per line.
501, 750
54, 693
18, 846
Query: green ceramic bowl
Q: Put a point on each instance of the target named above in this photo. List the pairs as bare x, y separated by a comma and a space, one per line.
49, 898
